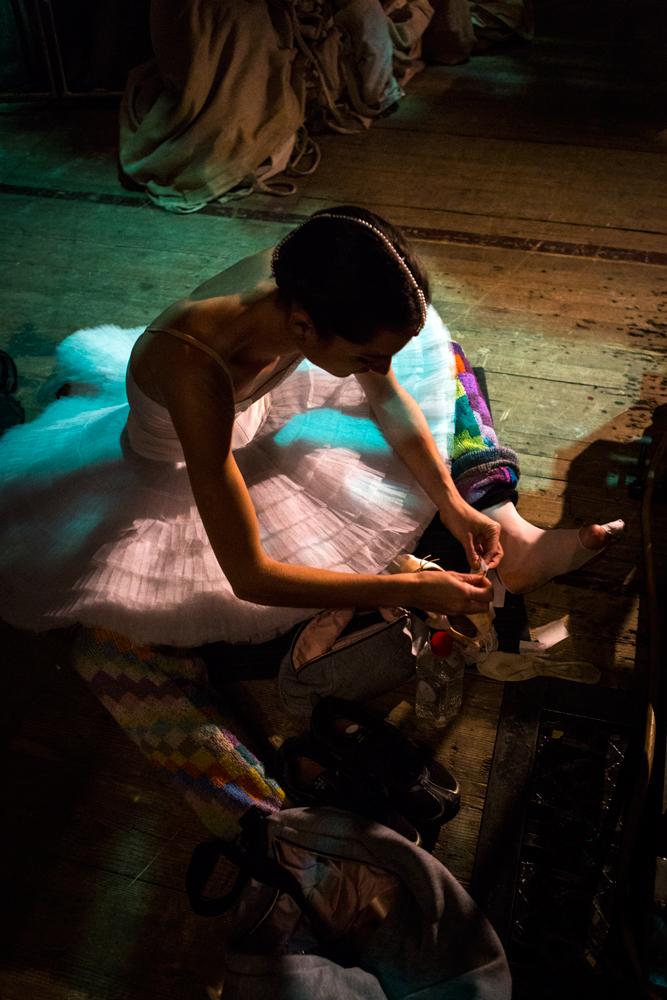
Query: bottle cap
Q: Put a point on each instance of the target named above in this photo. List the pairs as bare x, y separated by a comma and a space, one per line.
442, 643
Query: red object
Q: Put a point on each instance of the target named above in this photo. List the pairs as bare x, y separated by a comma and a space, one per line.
442, 643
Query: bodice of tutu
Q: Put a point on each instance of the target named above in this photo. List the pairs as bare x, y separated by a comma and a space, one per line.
151, 432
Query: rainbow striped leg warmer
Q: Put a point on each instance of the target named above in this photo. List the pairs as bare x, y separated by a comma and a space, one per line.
484, 471
162, 703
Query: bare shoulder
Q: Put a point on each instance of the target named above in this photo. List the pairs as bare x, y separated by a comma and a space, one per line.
192, 313
239, 278
160, 360
178, 374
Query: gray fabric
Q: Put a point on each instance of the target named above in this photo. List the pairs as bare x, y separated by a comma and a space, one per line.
390, 908
297, 977
363, 670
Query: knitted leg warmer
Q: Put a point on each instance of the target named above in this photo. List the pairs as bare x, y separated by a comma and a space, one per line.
484, 471
163, 706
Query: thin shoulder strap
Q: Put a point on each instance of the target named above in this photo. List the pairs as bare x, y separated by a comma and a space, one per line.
195, 343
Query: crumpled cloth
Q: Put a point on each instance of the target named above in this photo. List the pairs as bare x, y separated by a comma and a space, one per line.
232, 83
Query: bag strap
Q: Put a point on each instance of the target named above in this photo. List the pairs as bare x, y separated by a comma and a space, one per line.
250, 854
202, 865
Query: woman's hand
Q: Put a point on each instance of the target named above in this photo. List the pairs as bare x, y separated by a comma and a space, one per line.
446, 592
477, 533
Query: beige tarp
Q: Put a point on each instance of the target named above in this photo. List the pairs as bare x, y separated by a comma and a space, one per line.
233, 80
214, 103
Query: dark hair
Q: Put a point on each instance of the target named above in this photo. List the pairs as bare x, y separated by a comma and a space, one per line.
347, 279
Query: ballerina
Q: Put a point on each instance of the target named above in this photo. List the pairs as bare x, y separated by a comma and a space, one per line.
281, 436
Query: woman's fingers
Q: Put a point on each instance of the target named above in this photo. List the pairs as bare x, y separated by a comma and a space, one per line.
478, 587
495, 556
472, 553
492, 555
490, 548
458, 593
485, 545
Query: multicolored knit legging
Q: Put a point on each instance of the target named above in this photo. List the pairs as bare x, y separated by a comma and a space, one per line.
163, 701
484, 471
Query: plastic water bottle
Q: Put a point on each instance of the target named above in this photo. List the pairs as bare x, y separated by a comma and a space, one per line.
440, 668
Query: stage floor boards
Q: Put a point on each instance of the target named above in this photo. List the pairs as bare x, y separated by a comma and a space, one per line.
533, 184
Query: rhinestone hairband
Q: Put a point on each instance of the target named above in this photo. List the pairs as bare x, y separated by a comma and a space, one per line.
378, 232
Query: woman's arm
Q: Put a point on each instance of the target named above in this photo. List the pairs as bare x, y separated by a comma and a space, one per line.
407, 431
200, 401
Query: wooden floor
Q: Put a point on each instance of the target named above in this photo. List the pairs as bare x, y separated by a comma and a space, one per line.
533, 183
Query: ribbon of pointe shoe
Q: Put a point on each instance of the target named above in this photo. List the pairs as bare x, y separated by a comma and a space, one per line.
524, 666
499, 665
528, 662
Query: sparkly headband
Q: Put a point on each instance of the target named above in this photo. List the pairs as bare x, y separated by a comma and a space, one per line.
421, 298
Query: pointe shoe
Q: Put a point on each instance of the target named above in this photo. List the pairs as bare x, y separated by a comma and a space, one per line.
572, 555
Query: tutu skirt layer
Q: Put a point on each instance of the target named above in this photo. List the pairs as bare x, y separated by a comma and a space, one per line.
92, 532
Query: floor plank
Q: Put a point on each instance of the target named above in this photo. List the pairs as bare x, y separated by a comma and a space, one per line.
498, 179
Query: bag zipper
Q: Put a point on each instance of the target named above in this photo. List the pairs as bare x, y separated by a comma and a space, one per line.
347, 642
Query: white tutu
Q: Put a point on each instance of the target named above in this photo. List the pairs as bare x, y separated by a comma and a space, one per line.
92, 532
